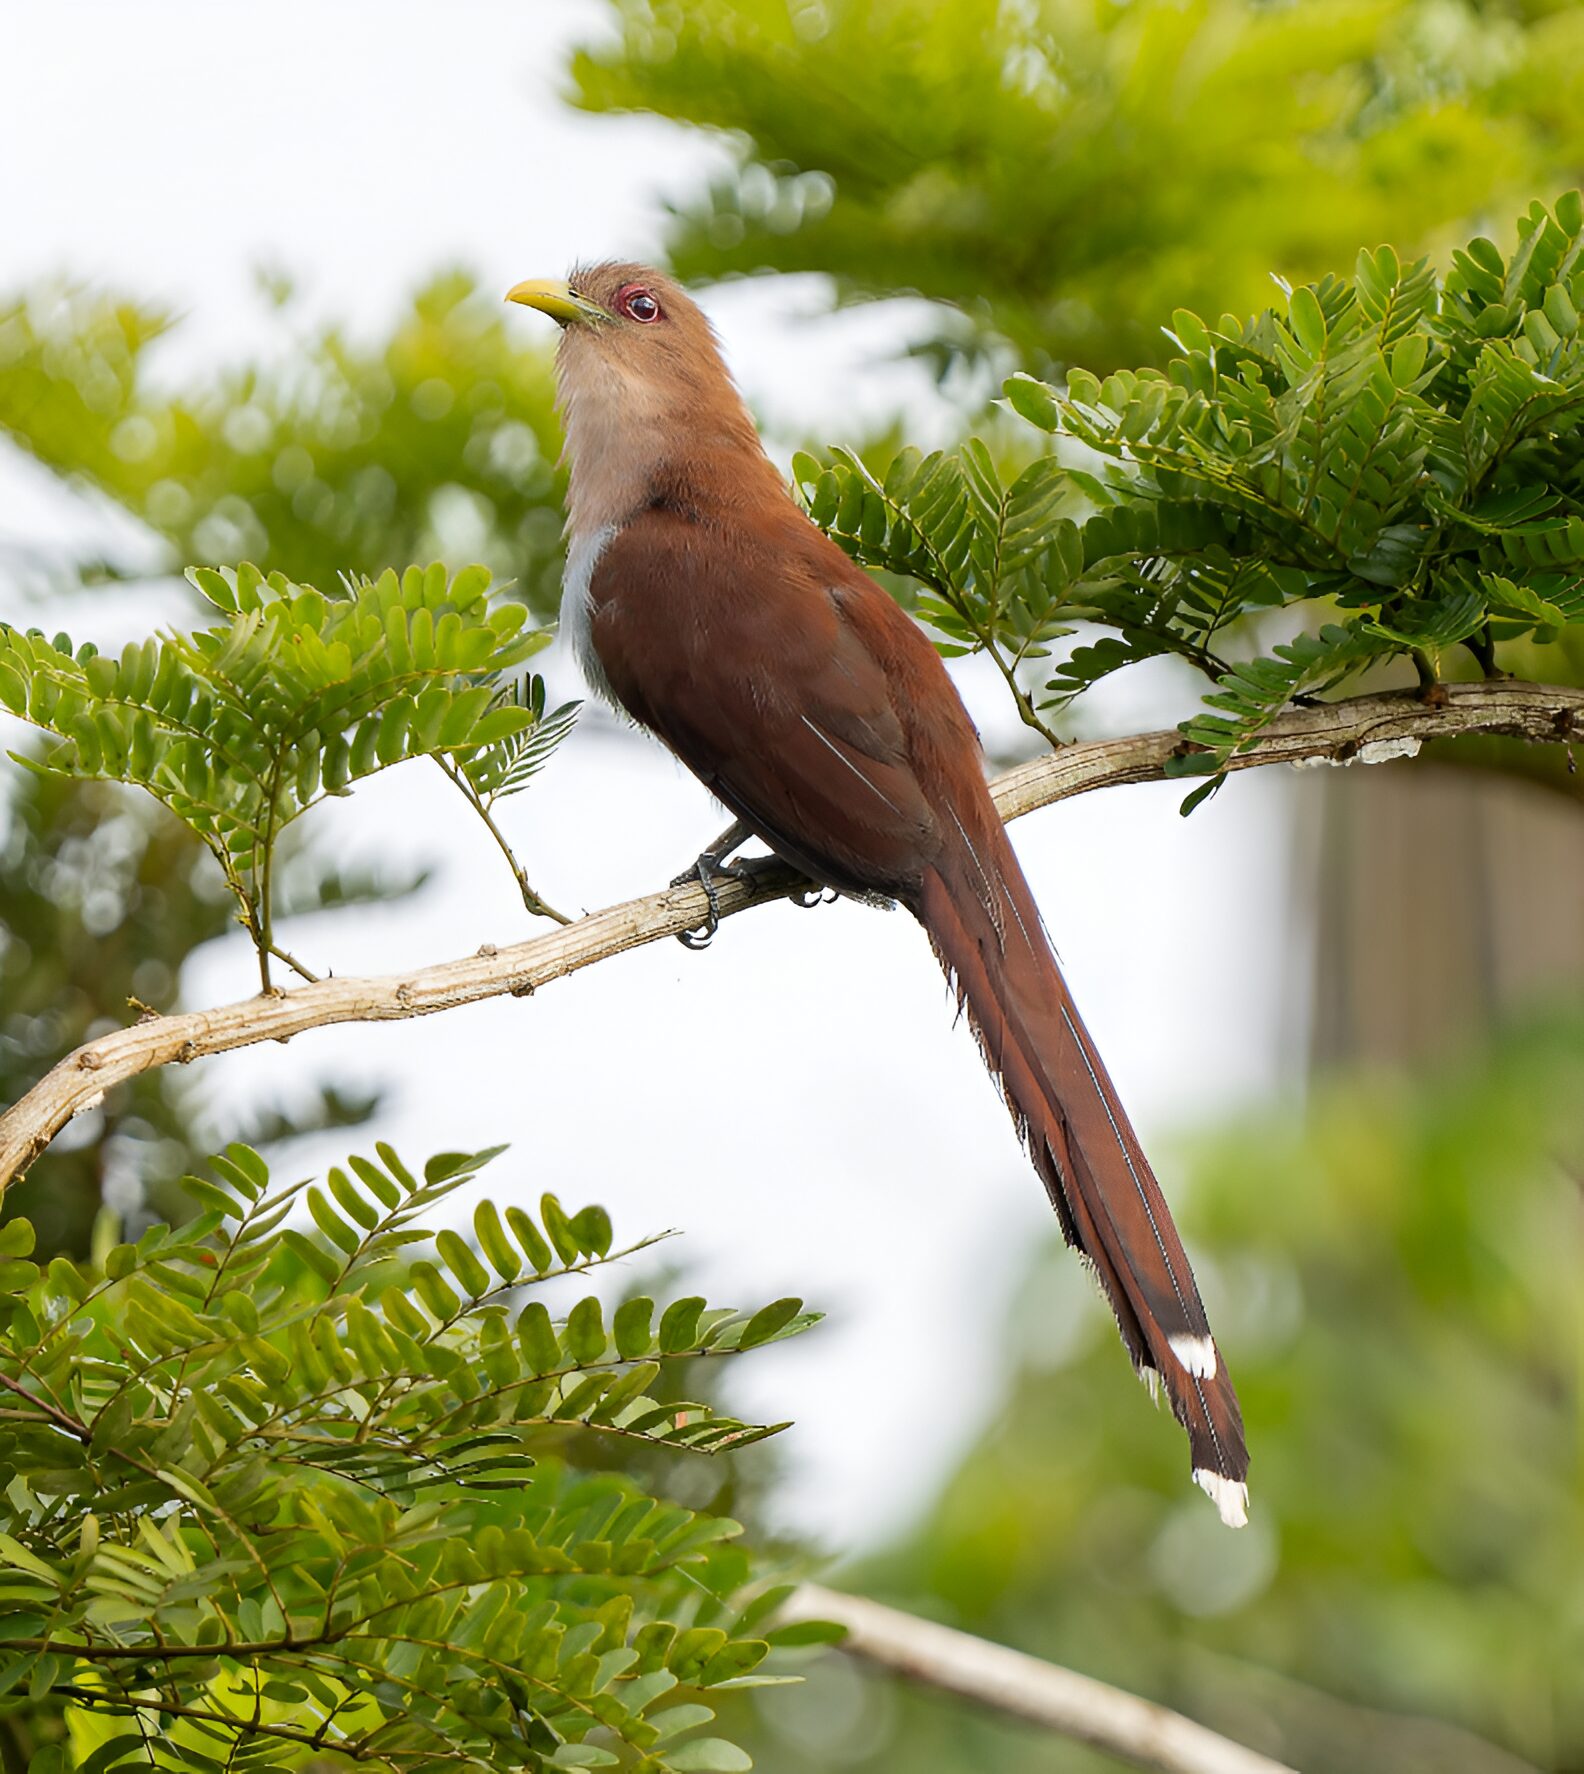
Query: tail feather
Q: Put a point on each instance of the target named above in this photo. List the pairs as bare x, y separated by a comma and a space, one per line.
985, 928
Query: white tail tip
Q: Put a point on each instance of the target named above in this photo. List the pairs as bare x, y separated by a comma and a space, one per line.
1197, 1354
1230, 1499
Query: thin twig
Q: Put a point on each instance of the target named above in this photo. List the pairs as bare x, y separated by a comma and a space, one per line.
136, 1706
536, 904
1023, 1687
1362, 728
293, 963
61, 1419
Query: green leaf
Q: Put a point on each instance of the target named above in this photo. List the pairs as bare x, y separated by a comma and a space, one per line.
768, 1323
16, 1238
560, 1229
487, 1228
591, 1227
679, 1324
330, 1222
314, 1256
632, 1327
15, 1553
1033, 401
540, 1346
433, 1290
350, 1201
709, 1755
455, 1253
528, 1235
584, 1336
114, 1752
799, 1633
1308, 320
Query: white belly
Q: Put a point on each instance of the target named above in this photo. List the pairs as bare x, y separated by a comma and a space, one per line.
577, 609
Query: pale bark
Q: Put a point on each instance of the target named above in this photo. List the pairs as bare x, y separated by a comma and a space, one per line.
1023, 1687
1363, 728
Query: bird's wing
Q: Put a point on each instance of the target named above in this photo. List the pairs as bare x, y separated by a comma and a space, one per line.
767, 686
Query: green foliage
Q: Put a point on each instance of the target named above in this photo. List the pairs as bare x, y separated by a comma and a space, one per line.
997, 563
95, 890
1396, 448
329, 456
99, 890
1066, 173
240, 728
281, 1492
330, 453
515, 758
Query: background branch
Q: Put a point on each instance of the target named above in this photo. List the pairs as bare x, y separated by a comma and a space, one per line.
1362, 728
1026, 1688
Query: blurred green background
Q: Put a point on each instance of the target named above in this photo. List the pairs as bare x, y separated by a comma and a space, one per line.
1399, 1244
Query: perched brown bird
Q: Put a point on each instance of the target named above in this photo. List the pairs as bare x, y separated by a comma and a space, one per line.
708, 607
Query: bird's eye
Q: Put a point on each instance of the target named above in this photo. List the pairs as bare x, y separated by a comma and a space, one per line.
638, 304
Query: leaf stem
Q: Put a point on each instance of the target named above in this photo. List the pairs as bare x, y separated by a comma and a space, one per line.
61, 1419
537, 906
265, 938
293, 963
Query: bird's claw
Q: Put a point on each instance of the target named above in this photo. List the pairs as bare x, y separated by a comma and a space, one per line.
702, 935
712, 867
709, 868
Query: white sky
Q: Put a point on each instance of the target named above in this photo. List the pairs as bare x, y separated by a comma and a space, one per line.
796, 1099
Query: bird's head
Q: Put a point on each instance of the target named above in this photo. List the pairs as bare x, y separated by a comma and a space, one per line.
628, 332
642, 382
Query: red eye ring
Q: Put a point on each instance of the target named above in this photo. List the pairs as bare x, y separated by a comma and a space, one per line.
639, 303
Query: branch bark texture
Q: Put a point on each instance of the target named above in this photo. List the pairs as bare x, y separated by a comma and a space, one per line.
1363, 728
1023, 1687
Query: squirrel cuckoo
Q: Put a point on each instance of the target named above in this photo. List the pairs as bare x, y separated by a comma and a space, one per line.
704, 604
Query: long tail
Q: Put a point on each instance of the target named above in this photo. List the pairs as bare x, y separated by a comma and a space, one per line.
986, 930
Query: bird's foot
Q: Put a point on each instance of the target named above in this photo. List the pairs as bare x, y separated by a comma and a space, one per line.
707, 871
813, 896
711, 868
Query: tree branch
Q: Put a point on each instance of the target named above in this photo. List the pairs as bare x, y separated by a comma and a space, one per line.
1023, 1687
1363, 728
1358, 729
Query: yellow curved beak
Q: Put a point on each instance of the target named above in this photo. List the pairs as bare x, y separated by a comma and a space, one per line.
557, 299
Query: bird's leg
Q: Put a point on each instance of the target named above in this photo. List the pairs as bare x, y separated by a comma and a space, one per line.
712, 858
711, 865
